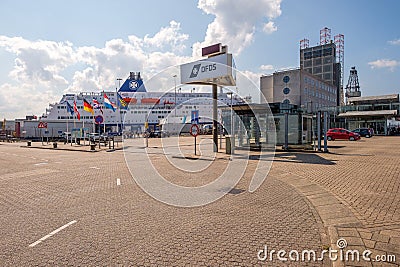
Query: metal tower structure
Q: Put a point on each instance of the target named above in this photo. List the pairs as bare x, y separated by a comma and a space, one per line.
325, 36
339, 42
305, 43
353, 86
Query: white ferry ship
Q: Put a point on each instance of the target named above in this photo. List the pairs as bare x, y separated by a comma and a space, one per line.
145, 110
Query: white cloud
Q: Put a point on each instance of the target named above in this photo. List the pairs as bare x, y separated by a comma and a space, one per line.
270, 27
38, 61
384, 63
266, 67
169, 37
236, 21
42, 69
394, 42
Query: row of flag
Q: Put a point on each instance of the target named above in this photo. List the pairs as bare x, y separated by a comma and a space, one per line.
96, 105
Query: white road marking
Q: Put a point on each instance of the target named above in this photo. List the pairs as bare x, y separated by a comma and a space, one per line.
52, 233
96, 168
41, 163
118, 181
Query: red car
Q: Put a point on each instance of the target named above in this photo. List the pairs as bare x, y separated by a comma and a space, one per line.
340, 133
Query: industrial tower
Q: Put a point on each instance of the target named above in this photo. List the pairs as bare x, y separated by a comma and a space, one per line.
326, 60
353, 86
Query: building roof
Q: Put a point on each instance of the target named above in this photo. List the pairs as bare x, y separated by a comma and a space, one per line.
368, 113
380, 98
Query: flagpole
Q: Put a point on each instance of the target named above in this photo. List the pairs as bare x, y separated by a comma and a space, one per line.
116, 97
74, 128
67, 126
94, 128
83, 129
104, 115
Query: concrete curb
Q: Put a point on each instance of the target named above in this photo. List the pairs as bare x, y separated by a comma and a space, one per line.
332, 212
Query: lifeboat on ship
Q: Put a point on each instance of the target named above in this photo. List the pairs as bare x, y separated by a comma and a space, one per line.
130, 100
150, 101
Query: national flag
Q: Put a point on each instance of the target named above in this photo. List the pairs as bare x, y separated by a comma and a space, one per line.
70, 109
108, 104
121, 102
96, 105
87, 107
78, 115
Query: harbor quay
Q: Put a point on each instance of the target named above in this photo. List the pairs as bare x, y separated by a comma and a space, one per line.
65, 206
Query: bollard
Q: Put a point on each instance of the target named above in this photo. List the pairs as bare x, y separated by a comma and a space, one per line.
228, 144
54, 145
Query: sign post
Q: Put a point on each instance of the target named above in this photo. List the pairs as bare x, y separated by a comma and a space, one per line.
146, 127
194, 131
217, 70
99, 120
42, 125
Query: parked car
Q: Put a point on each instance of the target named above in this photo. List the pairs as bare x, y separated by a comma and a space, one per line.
364, 132
158, 134
207, 129
341, 133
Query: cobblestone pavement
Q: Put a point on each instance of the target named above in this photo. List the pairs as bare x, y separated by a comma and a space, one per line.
356, 191
308, 201
119, 225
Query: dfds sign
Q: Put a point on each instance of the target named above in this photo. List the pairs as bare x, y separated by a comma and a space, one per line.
218, 70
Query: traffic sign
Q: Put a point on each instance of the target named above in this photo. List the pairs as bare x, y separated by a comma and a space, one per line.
42, 124
195, 117
99, 119
194, 130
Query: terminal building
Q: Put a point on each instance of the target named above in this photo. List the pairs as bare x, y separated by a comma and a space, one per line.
299, 88
381, 113
316, 85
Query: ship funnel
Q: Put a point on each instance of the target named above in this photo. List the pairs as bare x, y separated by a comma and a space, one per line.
134, 75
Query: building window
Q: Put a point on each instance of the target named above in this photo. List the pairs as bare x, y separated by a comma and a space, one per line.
317, 61
328, 51
327, 76
317, 53
327, 68
317, 70
307, 55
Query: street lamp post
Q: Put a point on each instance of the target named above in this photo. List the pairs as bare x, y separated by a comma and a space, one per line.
232, 125
175, 94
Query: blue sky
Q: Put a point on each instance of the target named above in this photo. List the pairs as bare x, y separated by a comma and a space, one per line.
48, 47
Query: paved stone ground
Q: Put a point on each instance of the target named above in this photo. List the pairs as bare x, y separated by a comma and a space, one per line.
42, 190
356, 191
308, 201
